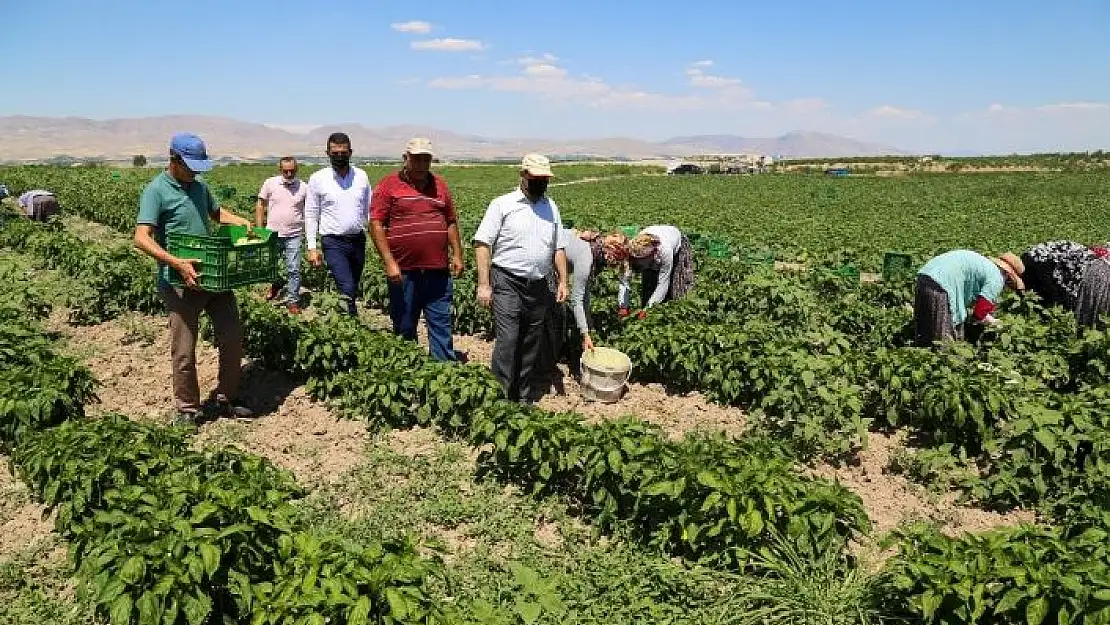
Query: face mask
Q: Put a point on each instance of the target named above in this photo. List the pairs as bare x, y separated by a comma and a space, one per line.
340, 161
537, 187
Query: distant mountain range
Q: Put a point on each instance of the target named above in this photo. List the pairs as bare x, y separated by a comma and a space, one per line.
24, 138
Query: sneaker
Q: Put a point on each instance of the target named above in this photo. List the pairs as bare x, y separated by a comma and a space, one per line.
221, 406
184, 418
293, 309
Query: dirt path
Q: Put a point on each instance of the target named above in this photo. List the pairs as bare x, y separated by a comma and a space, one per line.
130, 356
601, 179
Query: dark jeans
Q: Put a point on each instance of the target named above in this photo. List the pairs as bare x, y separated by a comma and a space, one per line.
520, 308
429, 291
346, 256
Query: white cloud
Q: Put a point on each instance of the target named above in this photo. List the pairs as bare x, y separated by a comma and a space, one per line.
545, 70
546, 58
705, 63
996, 108
1074, 106
698, 77
894, 112
448, 44
422, 28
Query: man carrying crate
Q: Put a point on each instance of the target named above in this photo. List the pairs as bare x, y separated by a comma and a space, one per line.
175, 201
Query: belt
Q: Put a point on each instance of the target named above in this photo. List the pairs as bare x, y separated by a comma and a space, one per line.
520, 279
345, 236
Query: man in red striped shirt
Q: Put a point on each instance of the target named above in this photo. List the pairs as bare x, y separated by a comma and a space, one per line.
413, 224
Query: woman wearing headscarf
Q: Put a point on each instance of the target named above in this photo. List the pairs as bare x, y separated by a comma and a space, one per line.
665, 260
1072, 275
587, 254
954, 282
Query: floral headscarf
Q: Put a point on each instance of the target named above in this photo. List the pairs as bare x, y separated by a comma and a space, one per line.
643, 250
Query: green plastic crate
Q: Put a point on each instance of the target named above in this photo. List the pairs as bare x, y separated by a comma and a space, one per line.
895, 265
223, 265
719, 249
630, 230
848, 272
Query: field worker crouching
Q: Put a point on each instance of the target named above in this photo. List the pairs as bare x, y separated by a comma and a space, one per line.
39, 205
416, 233
281, 208
518, 243
175, 201
665, 260
1071, 275
951, 283
587, 255
337, 208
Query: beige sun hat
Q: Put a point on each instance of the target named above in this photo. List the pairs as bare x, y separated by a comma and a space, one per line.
536, 165
1013, 267
419, 145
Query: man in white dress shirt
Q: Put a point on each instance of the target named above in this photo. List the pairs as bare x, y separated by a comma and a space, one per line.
516, 245
338, 207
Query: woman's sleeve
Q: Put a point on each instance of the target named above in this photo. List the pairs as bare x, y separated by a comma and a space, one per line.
664, 284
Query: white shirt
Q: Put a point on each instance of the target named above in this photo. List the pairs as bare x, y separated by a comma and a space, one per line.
336, 205
670, 239
523, 236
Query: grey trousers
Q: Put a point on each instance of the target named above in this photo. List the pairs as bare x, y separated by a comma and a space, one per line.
520, 309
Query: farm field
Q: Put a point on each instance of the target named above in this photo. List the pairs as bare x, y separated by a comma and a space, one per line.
786, 450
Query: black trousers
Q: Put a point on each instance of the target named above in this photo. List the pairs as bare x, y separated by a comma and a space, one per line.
520, 310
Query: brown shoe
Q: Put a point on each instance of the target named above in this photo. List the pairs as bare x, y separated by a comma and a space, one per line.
294, 309
275, 289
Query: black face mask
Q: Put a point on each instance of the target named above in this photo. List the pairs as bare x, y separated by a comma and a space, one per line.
537, 187
340, 161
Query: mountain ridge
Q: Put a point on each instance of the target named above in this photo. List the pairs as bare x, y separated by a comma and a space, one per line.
27, 138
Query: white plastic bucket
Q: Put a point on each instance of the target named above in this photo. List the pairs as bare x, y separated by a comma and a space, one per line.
605, 372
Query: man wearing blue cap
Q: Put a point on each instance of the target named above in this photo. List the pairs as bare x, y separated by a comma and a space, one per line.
175, 201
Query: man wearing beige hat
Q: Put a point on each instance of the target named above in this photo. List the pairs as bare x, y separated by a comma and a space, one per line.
416, 233
951, 283
518, 243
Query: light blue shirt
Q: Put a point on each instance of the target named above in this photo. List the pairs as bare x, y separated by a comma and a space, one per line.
965, 276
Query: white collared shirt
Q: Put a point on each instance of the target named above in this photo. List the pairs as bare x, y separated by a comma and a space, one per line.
336, 205
523, 236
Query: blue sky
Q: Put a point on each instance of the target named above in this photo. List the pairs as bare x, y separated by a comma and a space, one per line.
991, 75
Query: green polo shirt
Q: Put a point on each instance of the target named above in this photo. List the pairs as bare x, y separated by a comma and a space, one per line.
170, 206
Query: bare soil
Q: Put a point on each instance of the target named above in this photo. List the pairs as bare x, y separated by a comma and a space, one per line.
22, 522
891, 500
130, 356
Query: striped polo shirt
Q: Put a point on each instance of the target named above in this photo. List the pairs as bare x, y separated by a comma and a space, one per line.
416, 220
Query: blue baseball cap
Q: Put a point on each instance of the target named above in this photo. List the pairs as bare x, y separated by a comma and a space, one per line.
191, 150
